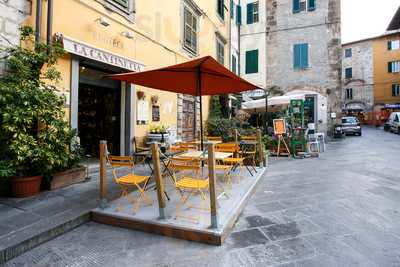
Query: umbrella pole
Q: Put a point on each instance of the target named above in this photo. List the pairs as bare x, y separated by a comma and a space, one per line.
201, 107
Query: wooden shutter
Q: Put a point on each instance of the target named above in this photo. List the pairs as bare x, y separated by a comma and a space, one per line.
304, 56
311, 5
297, 56
390, 67
251, 61
238, 15
296, 6
221, 8
249, 13
232, 8
389, 45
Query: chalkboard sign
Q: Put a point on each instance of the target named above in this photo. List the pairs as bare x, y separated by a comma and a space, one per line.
155, 113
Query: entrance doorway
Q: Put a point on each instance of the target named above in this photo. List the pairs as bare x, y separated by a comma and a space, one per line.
99, 111
188, 119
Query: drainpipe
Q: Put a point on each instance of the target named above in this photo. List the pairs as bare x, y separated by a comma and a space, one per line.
38, 21
49, 23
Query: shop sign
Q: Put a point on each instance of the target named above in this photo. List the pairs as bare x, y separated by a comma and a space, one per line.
393, 106
87, 51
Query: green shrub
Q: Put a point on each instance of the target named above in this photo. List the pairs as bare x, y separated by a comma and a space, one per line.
34, 134
222, 127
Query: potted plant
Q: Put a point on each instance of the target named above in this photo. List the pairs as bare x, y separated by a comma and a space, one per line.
140, 95
158, 133
35, 136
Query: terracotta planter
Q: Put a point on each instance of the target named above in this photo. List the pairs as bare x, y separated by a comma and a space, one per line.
68, 177
140, 94
26, 186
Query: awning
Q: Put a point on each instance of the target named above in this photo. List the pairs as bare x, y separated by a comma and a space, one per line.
259, 104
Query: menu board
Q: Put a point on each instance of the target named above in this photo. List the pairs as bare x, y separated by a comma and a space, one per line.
155, 113
279, 126
142, 112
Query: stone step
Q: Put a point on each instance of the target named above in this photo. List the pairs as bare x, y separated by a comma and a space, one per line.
24, 239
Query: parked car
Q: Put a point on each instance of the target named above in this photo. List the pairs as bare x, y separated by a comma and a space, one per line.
393, 123
351, 125
338, 131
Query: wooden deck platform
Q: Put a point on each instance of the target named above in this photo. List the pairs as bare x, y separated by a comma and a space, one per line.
230, 206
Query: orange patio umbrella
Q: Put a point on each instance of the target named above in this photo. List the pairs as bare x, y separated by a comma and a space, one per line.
198, 77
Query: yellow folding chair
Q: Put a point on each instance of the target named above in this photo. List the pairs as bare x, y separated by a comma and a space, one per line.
189, 185
214, 138
236, 161
129, 180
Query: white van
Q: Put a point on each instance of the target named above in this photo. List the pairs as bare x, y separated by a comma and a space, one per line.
393, 123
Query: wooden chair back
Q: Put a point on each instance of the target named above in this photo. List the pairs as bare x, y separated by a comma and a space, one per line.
249, 138
214, 138
227, 147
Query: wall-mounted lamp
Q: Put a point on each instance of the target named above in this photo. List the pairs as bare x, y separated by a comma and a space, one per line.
103, 21
127, 34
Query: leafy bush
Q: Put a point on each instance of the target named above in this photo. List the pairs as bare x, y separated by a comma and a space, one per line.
222, 127
34, 134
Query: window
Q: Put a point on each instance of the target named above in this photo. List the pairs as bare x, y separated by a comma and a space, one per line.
349, 94
252, 13
220, 8
238, 15
348, 73
303, 5
190, 31
394, 66
234, 64
220, 51
348, 52
393, 44
125, 8
251, 61
232, 8
300, 56
395, 89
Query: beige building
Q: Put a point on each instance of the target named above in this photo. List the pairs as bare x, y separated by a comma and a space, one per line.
113, 36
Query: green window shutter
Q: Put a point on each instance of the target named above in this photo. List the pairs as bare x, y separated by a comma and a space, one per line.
238, 15
304, 56
221, 8
390, 67
311, 5
297, 56
296, 6
233, 64
389, 45
251, 61
250, 13
393, 90
232, 8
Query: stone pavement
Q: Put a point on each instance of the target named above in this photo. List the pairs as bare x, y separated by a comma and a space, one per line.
341, 209
27, 222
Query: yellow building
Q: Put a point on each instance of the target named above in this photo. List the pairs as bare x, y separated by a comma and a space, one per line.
387, 70
387, 67
113, 36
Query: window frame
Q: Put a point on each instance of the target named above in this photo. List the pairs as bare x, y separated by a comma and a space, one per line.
390, 45
220, 43
395, 90
394, 66
128, 12
221, 15
193, 51
346, 54
351, 73
256, 12
303, 6
349, 94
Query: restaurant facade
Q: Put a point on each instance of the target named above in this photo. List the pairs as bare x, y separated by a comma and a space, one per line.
103, 37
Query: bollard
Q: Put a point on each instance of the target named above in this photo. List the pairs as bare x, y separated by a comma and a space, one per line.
212, 184
158, 178
260, 145
103, 174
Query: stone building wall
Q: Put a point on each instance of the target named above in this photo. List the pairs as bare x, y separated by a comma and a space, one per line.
321, 30
361, 62
12, 14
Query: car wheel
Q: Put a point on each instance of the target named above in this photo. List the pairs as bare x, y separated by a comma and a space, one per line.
398, 130
360, 134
